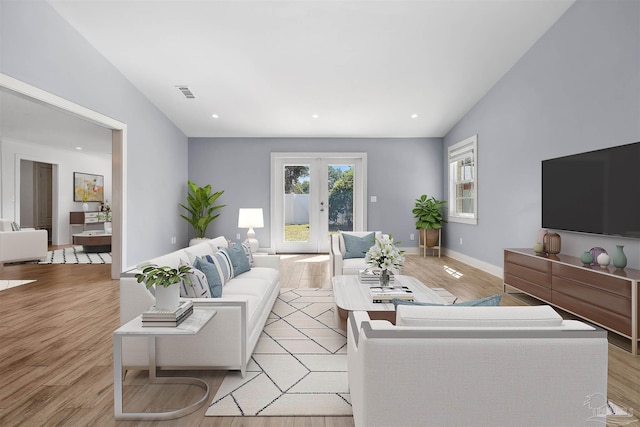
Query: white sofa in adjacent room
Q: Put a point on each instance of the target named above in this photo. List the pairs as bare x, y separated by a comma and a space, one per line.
483, 366
228, 340
25, 244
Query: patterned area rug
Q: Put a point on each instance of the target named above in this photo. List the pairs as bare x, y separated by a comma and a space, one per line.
75, 255
299, 367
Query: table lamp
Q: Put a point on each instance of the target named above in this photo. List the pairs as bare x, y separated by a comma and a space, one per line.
251, 218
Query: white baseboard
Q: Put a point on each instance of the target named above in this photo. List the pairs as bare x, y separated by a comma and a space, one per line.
481, 265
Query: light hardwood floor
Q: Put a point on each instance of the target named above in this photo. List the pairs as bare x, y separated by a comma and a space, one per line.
56, 364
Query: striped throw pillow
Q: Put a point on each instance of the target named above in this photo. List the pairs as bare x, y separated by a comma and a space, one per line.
199, 287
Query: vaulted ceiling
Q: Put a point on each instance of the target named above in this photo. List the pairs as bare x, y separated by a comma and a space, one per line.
302, 68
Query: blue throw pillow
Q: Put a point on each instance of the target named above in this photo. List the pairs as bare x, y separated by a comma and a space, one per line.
239, 260
214, 277
357, 247
493, 300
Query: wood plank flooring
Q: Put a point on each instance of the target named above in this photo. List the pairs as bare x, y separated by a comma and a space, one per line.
56, 364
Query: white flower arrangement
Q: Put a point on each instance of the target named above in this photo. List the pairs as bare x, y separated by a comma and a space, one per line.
384, 254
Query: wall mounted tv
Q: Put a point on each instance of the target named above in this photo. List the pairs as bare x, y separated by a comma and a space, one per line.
594, 192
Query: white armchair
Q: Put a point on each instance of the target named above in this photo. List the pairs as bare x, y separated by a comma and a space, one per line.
340, 265
23, 245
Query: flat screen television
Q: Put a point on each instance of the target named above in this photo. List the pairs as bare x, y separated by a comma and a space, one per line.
594, 192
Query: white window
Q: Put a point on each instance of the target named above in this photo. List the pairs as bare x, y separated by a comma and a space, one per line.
463, 181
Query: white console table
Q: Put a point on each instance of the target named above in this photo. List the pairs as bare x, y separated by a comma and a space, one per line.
190, 326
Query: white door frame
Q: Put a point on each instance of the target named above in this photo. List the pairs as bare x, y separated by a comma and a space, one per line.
360, 191
118, 156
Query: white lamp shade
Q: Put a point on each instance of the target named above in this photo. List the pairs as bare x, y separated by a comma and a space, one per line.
250, 218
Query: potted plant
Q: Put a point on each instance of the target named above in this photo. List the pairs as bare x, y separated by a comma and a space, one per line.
106, 216
201, 208
167, 283
428, 211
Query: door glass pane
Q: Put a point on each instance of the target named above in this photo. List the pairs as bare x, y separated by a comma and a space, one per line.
296, 203
340, 198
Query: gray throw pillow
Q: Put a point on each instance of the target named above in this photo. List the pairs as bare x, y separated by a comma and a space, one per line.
239, 259
357, 247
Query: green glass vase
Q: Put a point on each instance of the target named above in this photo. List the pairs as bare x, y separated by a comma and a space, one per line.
620, 259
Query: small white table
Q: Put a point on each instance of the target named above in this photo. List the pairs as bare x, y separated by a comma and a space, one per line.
190, 326
352, 295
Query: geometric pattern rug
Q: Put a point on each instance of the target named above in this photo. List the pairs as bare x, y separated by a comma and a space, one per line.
299, 366
75, 255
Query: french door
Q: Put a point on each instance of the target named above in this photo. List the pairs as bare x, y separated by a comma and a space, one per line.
313, 195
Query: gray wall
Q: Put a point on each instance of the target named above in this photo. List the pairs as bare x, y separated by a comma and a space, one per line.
40, 48
577, 89
399, 171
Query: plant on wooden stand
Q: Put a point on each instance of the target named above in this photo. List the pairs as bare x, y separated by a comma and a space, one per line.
429, 214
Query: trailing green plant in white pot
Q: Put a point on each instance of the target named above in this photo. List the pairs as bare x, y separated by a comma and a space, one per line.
429, 214
201, 207
166, 281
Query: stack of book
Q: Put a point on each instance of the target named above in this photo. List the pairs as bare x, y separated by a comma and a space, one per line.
155, 317
372, 276
387, 293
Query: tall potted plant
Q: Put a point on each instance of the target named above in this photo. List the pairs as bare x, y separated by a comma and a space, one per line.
200, 207
429, 214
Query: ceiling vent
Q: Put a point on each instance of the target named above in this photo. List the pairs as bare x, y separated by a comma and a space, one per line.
186, 92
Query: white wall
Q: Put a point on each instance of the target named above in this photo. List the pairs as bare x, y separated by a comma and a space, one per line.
65, 164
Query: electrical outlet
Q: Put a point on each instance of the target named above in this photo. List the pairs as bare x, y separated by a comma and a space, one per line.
237, 236
374, 199
412, 237
461, 241
173, 240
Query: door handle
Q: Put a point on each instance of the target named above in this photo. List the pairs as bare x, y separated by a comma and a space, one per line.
321, 206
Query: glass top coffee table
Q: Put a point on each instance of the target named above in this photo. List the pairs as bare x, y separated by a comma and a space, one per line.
352, 295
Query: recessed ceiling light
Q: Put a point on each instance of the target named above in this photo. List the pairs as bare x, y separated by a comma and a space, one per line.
215, 116
315, 116
414, 116
78, 148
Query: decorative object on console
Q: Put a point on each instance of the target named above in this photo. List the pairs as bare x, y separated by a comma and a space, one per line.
538, 248
552, 243
106, 217
603, 260
619, 258
595, 252
201, 208
251, 218
384, 255
586, 258
167, 283
428, 211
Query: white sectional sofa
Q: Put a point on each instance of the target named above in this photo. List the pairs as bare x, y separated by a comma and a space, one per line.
484, 366
27, 244
228, 340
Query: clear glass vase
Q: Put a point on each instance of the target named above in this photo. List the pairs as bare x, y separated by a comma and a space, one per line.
384, 278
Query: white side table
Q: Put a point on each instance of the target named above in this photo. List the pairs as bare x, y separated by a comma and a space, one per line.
190, 326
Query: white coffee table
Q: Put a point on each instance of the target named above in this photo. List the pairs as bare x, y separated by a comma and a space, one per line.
352, 295
191, 326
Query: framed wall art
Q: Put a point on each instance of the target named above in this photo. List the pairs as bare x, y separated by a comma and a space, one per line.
88, 187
